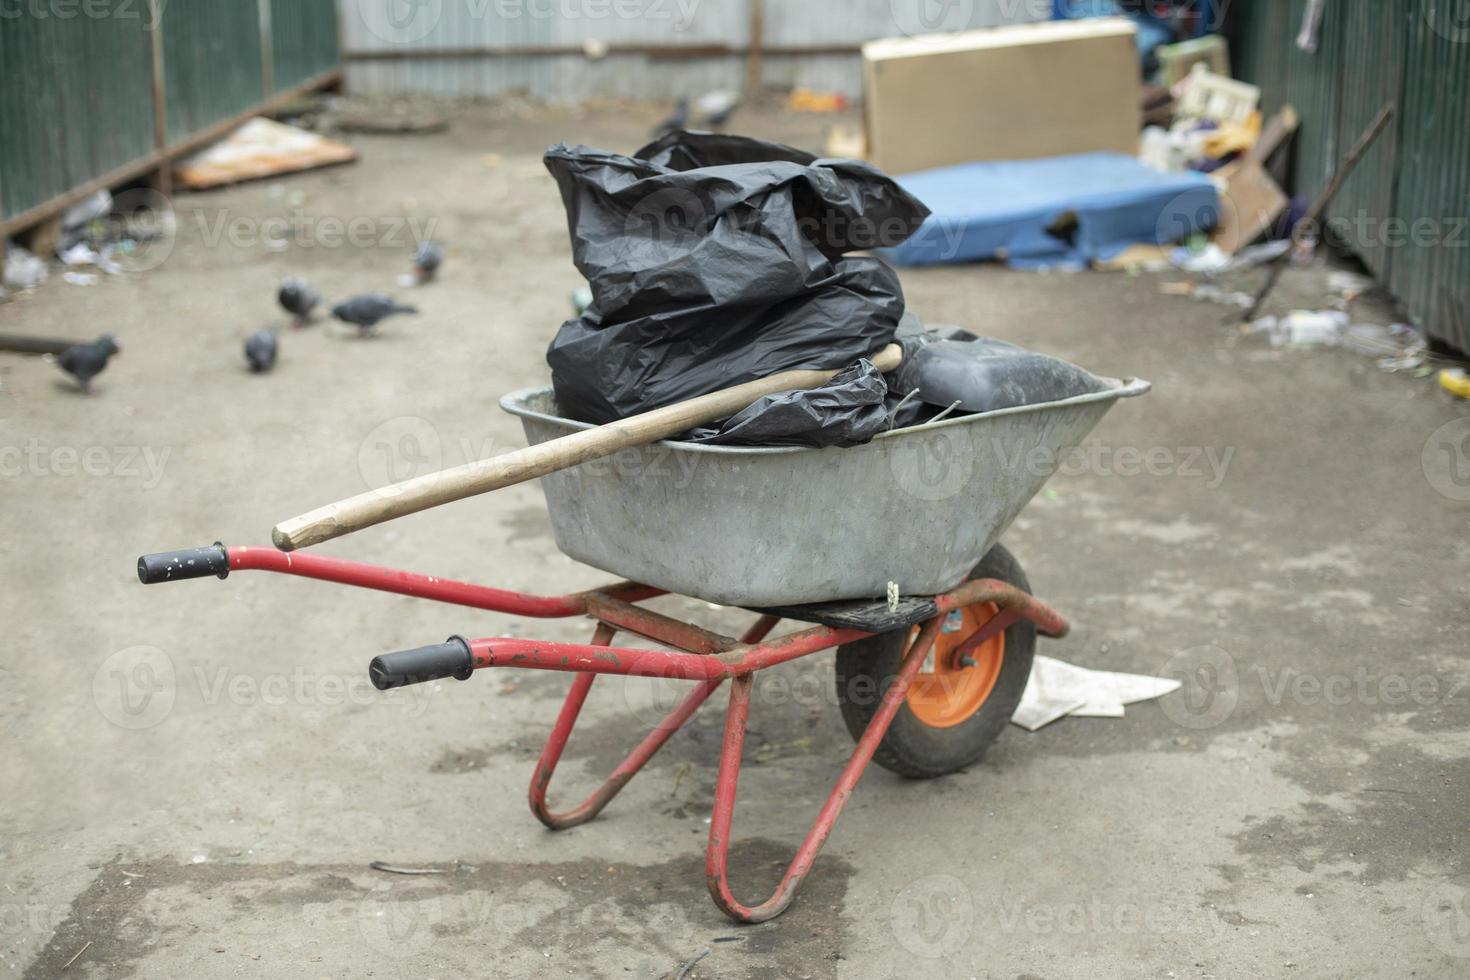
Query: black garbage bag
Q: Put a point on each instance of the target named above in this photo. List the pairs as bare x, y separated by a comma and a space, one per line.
715, 260
846, 411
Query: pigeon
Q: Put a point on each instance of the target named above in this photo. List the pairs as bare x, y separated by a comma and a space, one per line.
678, 119
261, 348
366, 310
85, 361
716, 108
299, 299
426, 260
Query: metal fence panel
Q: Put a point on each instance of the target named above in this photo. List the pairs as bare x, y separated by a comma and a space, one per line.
211, 62
1405, 210
75, 101
303, 35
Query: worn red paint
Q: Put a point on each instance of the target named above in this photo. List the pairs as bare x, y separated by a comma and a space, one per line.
701, 656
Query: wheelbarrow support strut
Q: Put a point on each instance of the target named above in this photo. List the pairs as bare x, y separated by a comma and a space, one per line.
698, 655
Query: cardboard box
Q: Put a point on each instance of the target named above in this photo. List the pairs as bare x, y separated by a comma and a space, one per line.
1006, 93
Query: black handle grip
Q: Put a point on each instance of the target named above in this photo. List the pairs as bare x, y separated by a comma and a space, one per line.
452, 658
170, 566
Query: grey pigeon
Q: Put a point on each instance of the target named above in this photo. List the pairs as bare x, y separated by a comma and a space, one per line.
426, 260
717, 108
261, 348
677, 119
365, 311
299, 299
85, 361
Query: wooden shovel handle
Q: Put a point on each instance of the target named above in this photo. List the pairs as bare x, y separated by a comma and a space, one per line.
484, 475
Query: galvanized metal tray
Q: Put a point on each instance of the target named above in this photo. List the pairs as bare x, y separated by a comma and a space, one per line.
757, 526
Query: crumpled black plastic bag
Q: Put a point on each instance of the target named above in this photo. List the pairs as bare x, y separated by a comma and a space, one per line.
945, 365
846, 411
715, 260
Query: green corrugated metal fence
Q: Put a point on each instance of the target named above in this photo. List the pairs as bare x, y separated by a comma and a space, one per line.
77, 84
1406, 210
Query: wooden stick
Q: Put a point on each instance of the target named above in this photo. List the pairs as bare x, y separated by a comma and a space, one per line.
1314, 216
36, 345
482, 476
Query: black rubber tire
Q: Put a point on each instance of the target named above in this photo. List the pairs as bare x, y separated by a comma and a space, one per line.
866, 668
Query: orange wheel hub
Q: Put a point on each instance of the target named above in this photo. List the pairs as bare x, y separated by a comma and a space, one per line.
945, 692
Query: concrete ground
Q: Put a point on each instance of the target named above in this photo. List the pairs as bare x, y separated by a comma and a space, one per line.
197, 776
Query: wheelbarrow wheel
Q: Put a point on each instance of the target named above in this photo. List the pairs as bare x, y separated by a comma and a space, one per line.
953, 711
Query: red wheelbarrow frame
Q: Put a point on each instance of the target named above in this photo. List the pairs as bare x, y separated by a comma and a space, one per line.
701, 656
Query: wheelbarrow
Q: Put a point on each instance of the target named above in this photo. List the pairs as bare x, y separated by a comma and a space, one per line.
885, 552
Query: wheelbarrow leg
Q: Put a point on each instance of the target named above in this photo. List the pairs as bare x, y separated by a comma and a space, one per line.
652, 742
729, 778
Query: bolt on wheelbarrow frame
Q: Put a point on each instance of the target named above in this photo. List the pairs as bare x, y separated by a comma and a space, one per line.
699, 655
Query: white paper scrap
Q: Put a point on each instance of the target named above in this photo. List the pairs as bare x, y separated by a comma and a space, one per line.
1057, 689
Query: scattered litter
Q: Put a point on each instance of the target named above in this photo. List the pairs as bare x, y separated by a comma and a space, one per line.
1303, 328
83, 254
1348, 285
80, 278
1456, 381
260, 148
689, 964
845, 143
76, 219
1210, 293
1398, 346
1206, 95
1057, 689
1177, 60
397, 121
76, 955
23, 270
399, 870
806, 100
1213, 260
1056, 211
